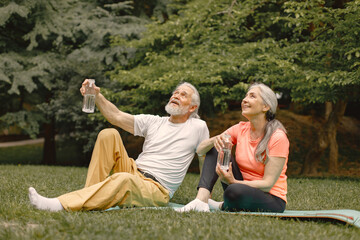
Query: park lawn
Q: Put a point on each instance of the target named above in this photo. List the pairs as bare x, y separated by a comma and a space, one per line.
66, 155
18, 220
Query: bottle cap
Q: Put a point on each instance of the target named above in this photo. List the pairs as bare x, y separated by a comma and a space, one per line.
227, 136
91, 82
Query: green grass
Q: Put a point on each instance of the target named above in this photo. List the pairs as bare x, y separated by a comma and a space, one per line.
27, 154
32, 154
18, 220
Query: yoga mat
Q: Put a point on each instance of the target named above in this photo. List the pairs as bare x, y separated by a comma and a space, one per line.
348, 216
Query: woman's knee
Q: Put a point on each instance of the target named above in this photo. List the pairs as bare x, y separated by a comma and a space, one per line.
211, 154
211, 158
234, 192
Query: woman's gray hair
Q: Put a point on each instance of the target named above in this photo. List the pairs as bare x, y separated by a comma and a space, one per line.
195, 98
269, 98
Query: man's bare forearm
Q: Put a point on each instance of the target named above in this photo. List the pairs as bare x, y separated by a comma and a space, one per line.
114, 115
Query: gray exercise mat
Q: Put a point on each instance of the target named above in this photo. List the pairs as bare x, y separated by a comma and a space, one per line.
348, 216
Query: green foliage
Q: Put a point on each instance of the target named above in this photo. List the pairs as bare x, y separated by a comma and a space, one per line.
25, 120
304, 47
47, 48
212, 47
322, 57
307, 48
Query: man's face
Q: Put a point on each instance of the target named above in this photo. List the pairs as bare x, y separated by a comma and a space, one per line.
180, 101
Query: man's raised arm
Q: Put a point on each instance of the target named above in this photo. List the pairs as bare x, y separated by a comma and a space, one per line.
110, 111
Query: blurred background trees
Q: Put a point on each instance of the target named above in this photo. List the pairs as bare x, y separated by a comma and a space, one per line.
48, 48
138, 52
307, 49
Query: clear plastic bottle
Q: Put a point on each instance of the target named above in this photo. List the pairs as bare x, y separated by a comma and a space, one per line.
89, 97
224, 155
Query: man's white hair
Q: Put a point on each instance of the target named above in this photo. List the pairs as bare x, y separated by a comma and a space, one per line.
195, 98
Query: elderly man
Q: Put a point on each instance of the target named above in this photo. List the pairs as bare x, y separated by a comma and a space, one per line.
115, 179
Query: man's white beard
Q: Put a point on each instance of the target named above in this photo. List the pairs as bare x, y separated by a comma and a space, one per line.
176, 110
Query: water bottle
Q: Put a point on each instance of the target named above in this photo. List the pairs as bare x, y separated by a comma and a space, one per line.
89, 97
224, 155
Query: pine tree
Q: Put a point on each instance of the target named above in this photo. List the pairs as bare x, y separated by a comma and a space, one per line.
47, 48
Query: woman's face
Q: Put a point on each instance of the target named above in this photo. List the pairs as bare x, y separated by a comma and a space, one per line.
253, 105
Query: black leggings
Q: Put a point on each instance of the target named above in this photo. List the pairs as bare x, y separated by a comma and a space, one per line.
238, 197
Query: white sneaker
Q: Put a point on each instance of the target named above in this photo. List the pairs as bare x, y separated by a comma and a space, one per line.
195, 205
214, 205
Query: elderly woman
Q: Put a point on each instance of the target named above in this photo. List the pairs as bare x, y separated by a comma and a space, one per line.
255, 180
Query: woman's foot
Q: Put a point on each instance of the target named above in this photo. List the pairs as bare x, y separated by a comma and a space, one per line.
195, 205
214, 205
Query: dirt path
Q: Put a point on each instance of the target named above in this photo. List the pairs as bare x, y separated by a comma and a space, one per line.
21, 143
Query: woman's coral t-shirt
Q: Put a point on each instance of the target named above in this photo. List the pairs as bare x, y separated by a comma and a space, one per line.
245, 155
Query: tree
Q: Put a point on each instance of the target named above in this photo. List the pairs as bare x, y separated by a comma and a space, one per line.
309, 48
47, 49
322, 60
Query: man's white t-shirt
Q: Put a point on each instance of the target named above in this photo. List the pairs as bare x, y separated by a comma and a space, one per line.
168, 147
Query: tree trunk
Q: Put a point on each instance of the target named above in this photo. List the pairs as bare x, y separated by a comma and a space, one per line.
339, 3
49, 151
334, 121
328, 109
313, 157
326, 138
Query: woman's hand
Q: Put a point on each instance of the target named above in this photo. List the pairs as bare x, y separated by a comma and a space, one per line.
225, 176
219, 141
206, 145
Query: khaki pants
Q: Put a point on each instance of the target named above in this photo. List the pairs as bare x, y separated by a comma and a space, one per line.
125, 187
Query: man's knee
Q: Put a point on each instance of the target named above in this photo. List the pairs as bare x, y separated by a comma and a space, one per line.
108, 133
